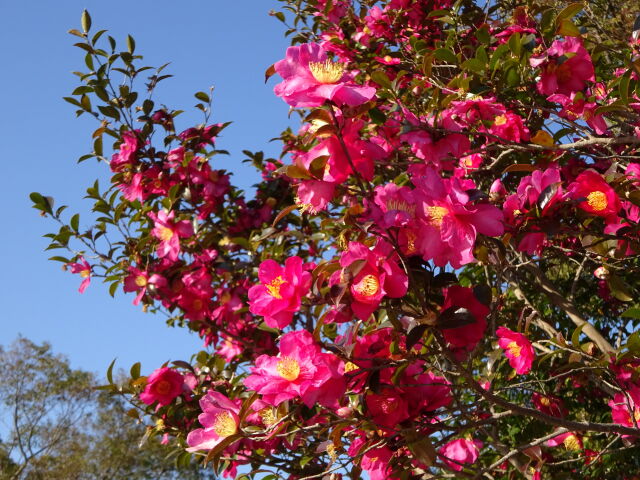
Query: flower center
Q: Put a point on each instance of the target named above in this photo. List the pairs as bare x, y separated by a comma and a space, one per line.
636, 414
400, 205
327, 71
501, 120
545, 401
350, 367
273, 287
267, 416
597, 200
197, 304
225, 425
163, 387
389, 405
571, 443
165, 234
411, 242
141, 281
288, 368
514, 349
85, 273
436, 214
368, 286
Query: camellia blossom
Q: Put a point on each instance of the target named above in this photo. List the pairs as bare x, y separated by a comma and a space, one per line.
309, 79
377, 277
570, 440
169, 233
219, 419
595, 195
517, 348
449, 222
465, 337
565, 68
460, 451
139, 280
278, 296
625, 407
163, 385
84, 269
301, 370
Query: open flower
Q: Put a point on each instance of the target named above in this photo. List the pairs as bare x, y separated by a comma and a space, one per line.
139, 280
169, 233
595, 196
309, 79
278, 296
219, 418
163, 385
301, 370
84, 269
517, 348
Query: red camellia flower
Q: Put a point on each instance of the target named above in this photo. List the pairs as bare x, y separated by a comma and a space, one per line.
378, 275
301, 370
163, 385
309, 79
625, 407
595, 195
465, 337
517, 348
278, 297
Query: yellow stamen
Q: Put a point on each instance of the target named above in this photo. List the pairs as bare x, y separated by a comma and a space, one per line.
165, 234
545, 401
350, 367
501, 120
141, 281
571, 443
288, 368
597, 200
85, 273
273, 287
267, 416
514, 349
327, 71
225, 425
411, 242
402, 206
436, 215
368, 286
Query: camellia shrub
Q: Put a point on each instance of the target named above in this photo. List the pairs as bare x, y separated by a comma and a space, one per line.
436, 279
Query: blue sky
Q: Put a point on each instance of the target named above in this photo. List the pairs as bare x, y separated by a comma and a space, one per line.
225, 44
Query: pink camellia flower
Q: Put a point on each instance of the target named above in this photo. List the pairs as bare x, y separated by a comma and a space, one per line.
377, 275
517, 348
570, 440
219, 418
595, 196
163, 385
301, 370
309, 79
139, 280
509, 126
625, 407
169, 233
374, 461
278, 297
565, 68
549, 404
84, 269
127, 153
460, 451
449, 222
465, 337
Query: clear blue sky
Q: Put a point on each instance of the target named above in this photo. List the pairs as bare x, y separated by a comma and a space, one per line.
221, 43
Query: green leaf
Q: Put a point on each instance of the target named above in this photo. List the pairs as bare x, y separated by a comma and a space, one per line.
515, 44
633, 312
131, 44
74, 222
381, 79
618, 288
446, 55
623, 87
135, 371
569, 11
575, 336
203, 97
85, 21
110, 372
